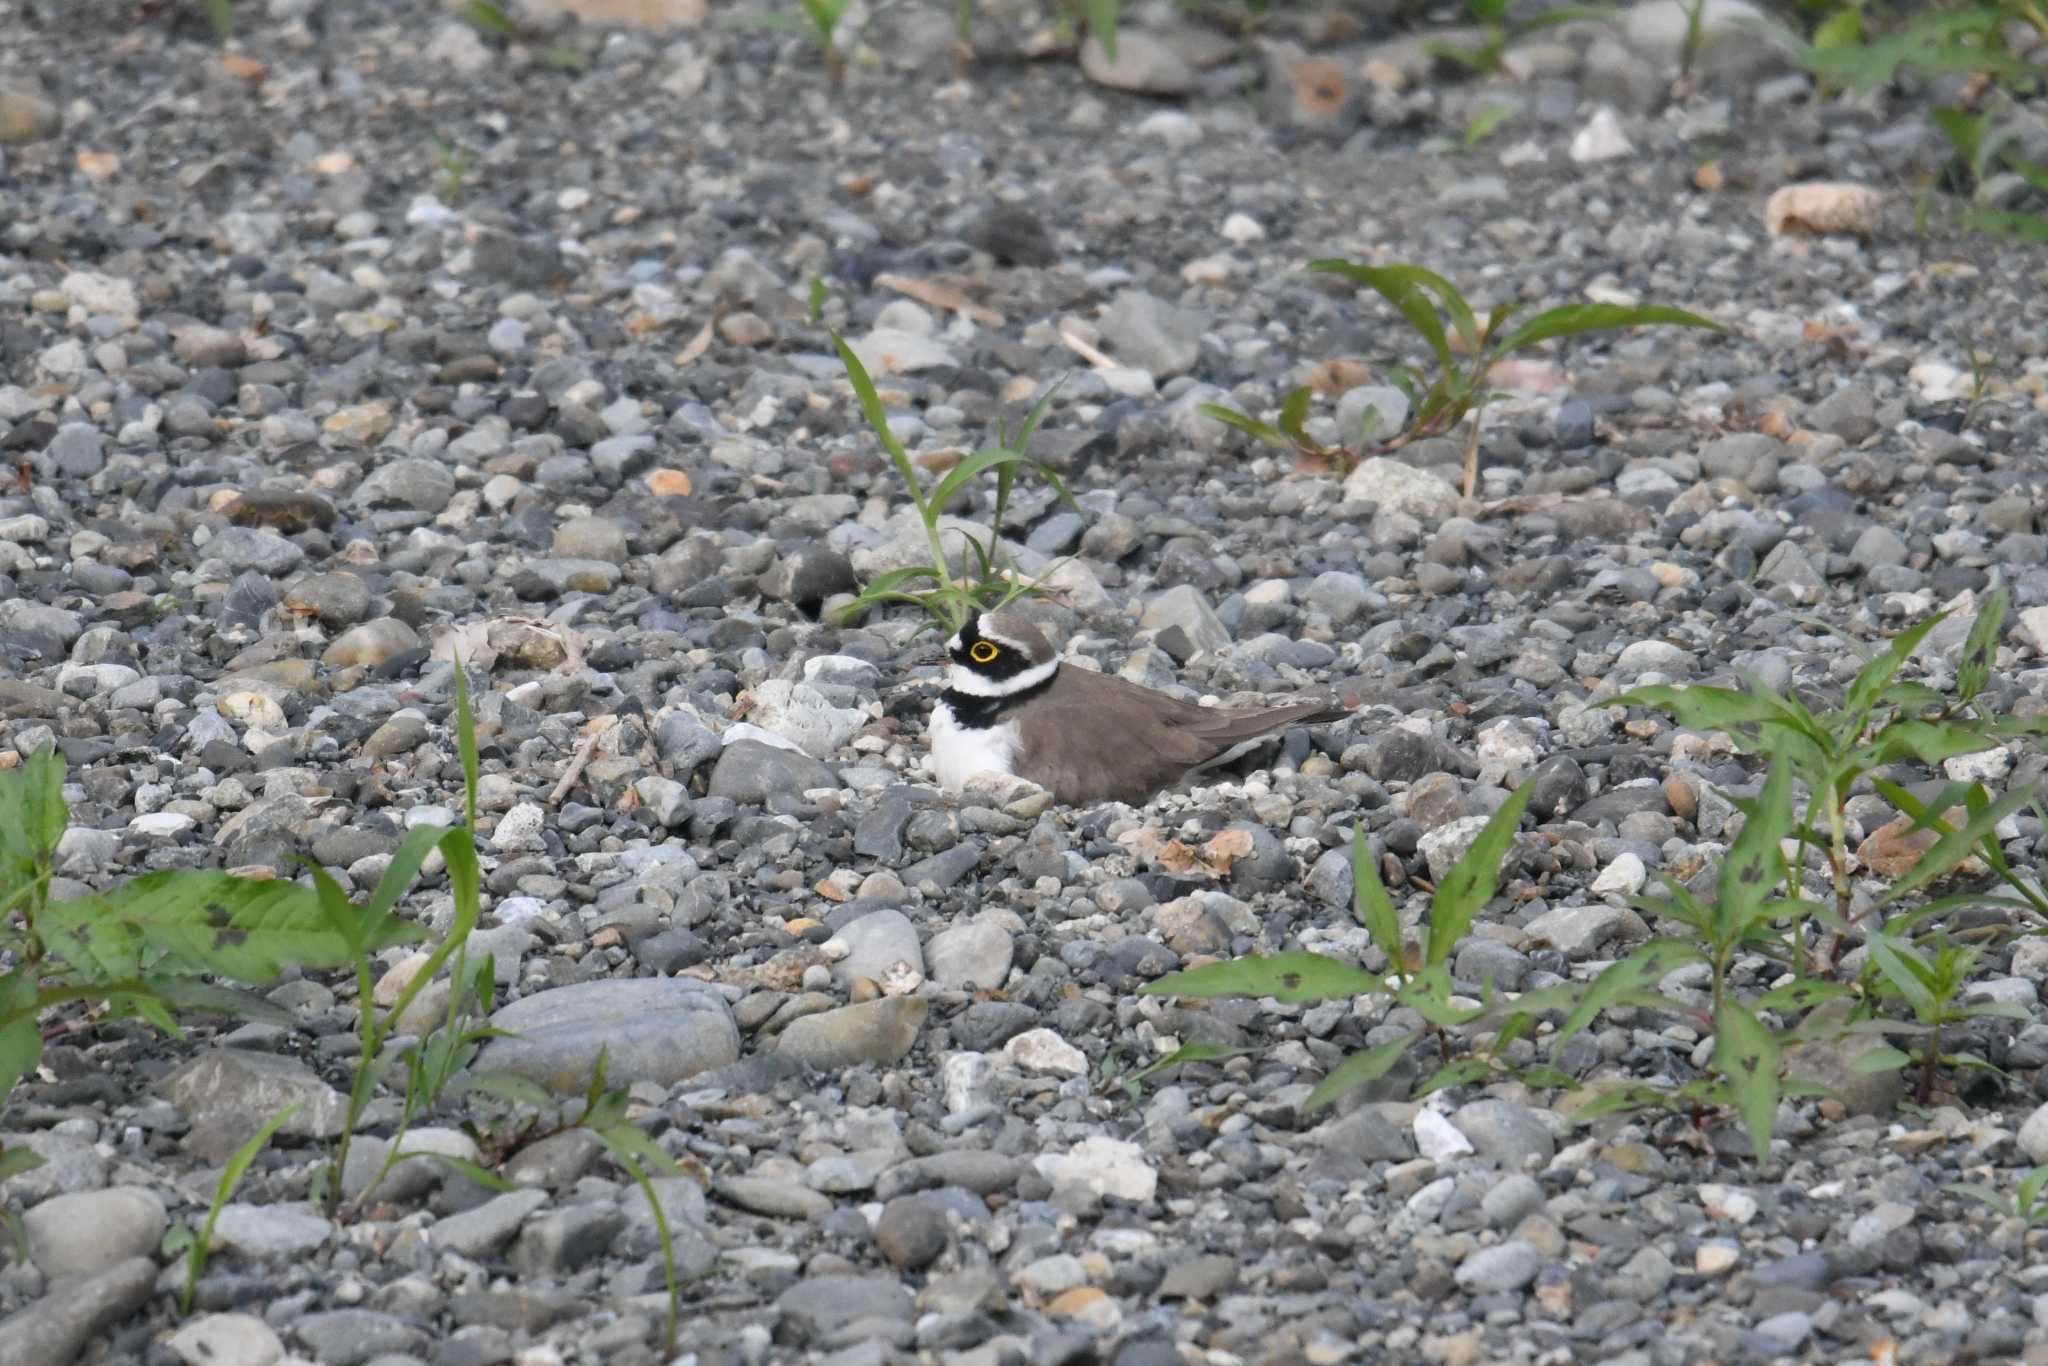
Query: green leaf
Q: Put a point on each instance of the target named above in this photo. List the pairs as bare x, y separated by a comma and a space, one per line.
194, 921
1290, 978
1487, 121
1700, 707
1368, 1064
223, 1191
1877, 675
1633, 980
1980, 649
1955, 846
1931, 742
1186, 1053
1908, 971
14, 1161
1972, 1190
1463, 1072
1250, 426
870, 402
1843, 28
1754, 867
1398, 286
1370, 902
1881, 1057
1803, 994
1573, 320
480, 1175
21, 1034
33, 812
1102, 16
1747, 1055
1473, 879
2002, 1010
978, 464
1294, 413
2030, 1188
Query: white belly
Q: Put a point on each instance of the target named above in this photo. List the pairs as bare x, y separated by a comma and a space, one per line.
959, 753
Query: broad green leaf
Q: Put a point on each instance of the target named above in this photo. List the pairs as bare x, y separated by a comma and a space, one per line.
1931, 742
1747, 1055
1955, 845
1250, 426
2002, 1010
1102, 17
194, 921
1881, 1057
1428, 994
1754, 866
1962, 41
1368, 1064
14, 1161
1289, 978
1573, 320
1186, 1053
1370, 902
1631, 981
1980, 649
1473, 879
2030, 1187
1843, 28
1294, 413
21, 1033
33, 817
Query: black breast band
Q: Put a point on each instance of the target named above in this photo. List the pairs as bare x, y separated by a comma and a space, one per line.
979, 713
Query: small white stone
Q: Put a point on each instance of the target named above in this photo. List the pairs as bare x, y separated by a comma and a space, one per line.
1437, 1139
1601, 139
1243, 229
1042, 1050
1726, 1202
1107, 1166
1623, 877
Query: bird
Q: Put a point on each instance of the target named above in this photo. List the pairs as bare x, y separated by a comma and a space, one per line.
1011, 706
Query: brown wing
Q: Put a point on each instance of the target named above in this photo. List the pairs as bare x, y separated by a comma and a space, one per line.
1122, 742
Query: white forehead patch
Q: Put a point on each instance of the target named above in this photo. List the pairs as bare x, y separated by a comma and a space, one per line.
953, 644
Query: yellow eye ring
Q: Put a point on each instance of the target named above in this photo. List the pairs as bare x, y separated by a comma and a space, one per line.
981, 652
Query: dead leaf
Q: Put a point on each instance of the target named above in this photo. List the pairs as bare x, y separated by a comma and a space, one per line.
1341, 375
694, 349
942, 294
1821, 207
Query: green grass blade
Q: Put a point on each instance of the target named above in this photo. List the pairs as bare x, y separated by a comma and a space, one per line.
1294, 414
870, 402
1472, 880
224, 1191
1573, 320
1290, 978
1633, 980
1102, 17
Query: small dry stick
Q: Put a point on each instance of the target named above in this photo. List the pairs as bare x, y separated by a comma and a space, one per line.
577, 764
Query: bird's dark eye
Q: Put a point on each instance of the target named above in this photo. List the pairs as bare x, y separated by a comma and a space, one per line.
981, 652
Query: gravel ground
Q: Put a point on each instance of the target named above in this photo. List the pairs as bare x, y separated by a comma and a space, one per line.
373, 341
